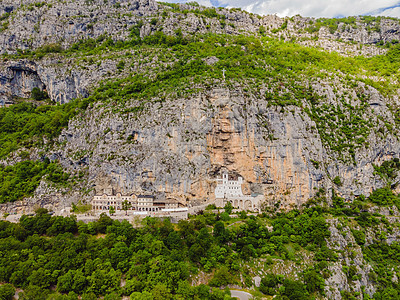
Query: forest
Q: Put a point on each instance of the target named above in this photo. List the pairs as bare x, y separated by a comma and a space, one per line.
52, 257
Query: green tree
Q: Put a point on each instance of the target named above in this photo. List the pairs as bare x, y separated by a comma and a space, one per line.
65, 282
196, 252
222, 277
41, 278
161, 292
313, 281
7, 292
268, 283
219, 232
103, 222
112, 296
34, 292
359, 236
39, 95
121, 65
384, 196
142, 296
126, 205
173, 241
89, 296
337, 181
295, 290
228, 207
111, 210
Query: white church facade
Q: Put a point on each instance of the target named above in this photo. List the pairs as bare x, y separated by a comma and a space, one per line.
230, 190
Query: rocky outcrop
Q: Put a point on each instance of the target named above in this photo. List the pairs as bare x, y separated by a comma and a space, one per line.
32, 24
350, 255
54, 25
383, 30
18, 80
47, 195
62, 78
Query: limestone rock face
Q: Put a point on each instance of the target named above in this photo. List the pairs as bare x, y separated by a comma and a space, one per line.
342, 240
34, 24
179, 147
18, 80
60, 77
28, 25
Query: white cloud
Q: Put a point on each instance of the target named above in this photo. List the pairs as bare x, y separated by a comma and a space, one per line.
201, 2
204, 2
312, 8
391, 12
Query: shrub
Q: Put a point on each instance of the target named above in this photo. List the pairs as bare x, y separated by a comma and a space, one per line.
383, 197
228, 207
337, 181
314, 281
39, 95
121, 65
7, 292
222, 277
50, 48
268, 283
295, 290
211, 207
388, 169
359, 236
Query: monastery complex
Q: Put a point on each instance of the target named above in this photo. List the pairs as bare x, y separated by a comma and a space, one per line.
227, 190
230, 190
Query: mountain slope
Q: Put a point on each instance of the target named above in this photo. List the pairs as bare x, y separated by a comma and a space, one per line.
179, 108
158, 98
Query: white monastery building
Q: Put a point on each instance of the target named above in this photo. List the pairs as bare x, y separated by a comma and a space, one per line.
104, 201
231, 191
143, 203
228, 188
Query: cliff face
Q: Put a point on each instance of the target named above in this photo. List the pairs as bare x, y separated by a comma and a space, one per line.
179, 146
18, 80
20, 77
32, 24
53, 26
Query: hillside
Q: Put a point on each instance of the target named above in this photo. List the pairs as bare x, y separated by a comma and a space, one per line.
288, 118
160, 99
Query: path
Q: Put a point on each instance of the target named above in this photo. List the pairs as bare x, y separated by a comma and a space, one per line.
241, 295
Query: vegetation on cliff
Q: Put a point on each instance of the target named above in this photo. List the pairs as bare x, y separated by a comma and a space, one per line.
282, 73
20, 180
25, 125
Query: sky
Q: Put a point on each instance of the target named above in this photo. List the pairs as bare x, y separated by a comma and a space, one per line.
310, 8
